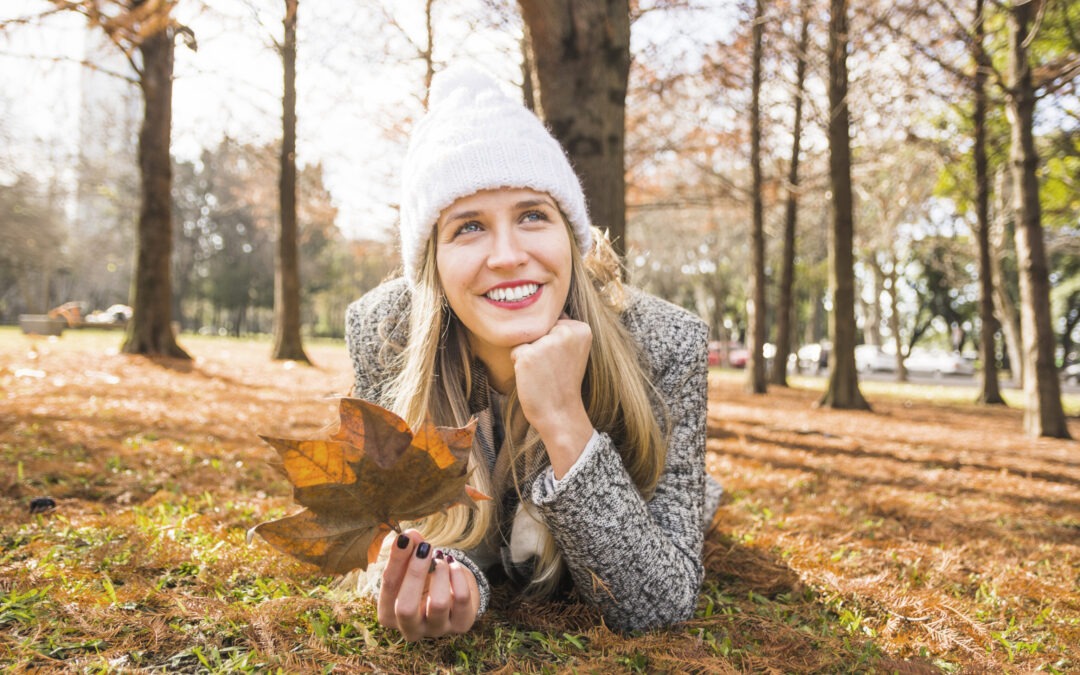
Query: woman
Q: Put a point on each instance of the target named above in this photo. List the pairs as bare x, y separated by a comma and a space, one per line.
589, 398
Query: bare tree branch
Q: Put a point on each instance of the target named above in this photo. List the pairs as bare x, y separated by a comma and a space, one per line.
30, 18
1052, 77
67, 59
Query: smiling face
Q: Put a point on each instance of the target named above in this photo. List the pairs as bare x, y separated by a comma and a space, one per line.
503, 258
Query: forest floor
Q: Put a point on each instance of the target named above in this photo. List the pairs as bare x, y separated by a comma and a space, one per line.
920, 537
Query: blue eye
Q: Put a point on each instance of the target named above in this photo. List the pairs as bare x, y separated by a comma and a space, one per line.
534, 216
467, 228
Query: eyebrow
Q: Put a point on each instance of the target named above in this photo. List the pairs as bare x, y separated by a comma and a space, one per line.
460, 215
529, 203
524, 204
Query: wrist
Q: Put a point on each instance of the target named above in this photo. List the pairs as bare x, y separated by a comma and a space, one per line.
565, 441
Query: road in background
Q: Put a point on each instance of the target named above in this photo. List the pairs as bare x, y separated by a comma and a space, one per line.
952, 380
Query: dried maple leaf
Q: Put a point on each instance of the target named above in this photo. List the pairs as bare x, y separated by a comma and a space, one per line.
362, 481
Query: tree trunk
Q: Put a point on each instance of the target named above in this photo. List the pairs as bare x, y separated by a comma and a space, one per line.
718, 290
894, 320
755, 307
428, 53
1003, 303
871, 331
528, 86
150, 330
1072, 320
1043, 413
886, 281
785, 310
990, 392
581, 51
843, 390
288, 344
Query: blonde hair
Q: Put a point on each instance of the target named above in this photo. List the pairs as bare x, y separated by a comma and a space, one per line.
435, 380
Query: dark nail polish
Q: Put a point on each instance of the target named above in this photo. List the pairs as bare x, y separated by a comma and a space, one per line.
438, 555
422, 550
402, 541
449, 558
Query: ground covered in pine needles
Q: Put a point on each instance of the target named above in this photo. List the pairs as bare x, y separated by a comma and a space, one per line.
917, 538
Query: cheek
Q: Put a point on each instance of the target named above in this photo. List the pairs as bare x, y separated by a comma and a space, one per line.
562, 265
453, 277
444, 273
448, 268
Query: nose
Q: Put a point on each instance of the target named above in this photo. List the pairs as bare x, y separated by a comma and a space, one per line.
506, 249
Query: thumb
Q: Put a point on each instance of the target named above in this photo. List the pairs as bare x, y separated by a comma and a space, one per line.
516, 352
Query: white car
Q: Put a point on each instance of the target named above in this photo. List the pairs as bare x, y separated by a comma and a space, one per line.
115, 314
1071, 373
812, 358
938, 362
874, 359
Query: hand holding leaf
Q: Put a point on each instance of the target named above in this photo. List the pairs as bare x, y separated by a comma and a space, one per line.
362, 481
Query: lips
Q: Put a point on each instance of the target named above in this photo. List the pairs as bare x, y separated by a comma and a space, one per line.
518, 293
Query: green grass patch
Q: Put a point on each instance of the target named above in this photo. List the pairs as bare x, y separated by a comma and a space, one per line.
917, 543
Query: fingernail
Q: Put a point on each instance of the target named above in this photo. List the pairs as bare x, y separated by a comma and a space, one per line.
402, 541
431, 567
422, 550
449, 558
438, 555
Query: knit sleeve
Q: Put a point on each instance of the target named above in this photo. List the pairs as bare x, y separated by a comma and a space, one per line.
374, 324
639, 560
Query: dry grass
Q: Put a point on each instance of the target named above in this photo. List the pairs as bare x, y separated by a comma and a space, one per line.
917, 538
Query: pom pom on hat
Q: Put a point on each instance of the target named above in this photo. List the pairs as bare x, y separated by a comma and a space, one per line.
475, 137
465, 81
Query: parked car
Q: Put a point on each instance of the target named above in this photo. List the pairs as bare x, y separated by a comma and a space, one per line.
738, 356
938, 362
874, 359
730, 355
813, 358
115, 314
715, 353
1071, 373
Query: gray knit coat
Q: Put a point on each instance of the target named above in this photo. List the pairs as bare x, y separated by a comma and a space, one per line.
638, 560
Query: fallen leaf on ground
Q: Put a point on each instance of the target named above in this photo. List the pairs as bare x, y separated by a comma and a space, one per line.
363, 481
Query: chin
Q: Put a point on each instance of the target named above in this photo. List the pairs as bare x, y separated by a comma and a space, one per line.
518, 338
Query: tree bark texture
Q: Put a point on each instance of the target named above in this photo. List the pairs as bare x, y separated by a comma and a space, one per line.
528, 86
755, 307
1043, 413
429, 51
871, 331
150, 330
288, 344
843, 390
581, 52
784, 308
1004, 306
894, 320
990, 392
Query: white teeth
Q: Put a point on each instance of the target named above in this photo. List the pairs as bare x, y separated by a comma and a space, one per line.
514, 294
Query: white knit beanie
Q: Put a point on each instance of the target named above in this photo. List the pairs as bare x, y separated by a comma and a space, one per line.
475, 137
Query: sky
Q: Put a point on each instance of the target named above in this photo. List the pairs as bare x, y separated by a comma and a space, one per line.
357, 90
359, 84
